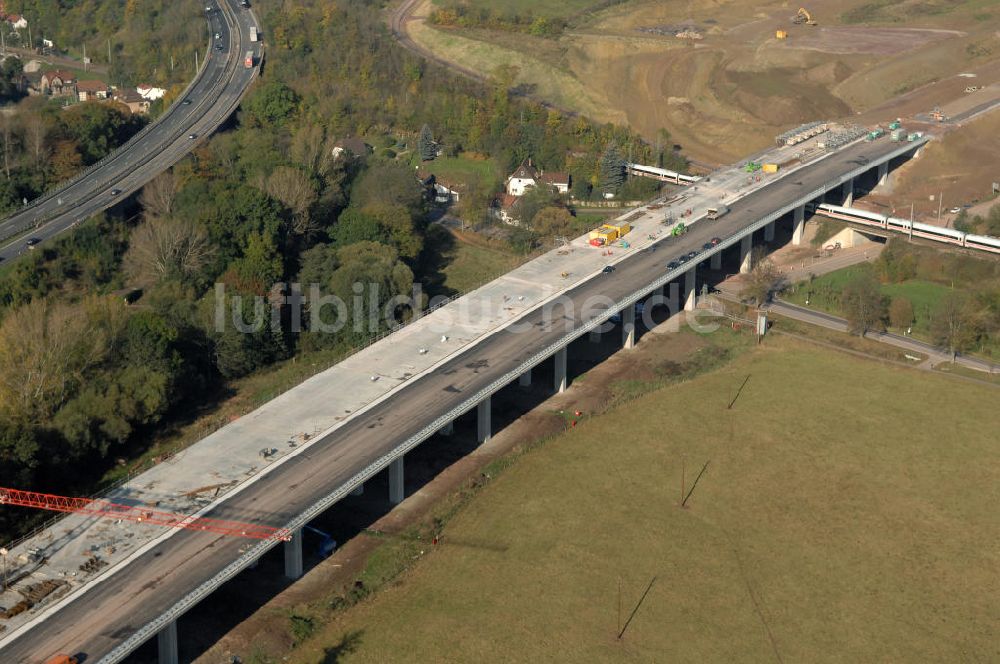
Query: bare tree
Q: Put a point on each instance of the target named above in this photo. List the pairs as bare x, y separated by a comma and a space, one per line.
157, 197
762, 280
308, 148
296, 190
863, 304
957, 322
162, 248
36, 133
8, 140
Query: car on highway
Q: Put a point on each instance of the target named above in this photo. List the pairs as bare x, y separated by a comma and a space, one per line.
715, 240
682, 259
692, 254
218, 47
955, 210
608, 269
186, 102
115, 192
673, 265
192, 136
707, 246
32, 242
218, 35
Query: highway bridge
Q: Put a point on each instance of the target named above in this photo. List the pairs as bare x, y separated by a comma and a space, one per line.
212, 97
325, 438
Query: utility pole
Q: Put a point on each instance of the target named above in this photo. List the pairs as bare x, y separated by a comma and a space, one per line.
911, 222
4, 552
940, 204
84, 57
196, 62
109, 53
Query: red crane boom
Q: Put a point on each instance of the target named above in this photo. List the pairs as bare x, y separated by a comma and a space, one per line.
140, 514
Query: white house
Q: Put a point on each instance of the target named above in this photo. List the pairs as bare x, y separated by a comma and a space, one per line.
522, 179
558, 181
17, 21
149, 93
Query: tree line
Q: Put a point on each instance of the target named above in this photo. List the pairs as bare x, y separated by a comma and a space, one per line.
87, 378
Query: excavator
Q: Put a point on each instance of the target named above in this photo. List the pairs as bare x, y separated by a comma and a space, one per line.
804, 17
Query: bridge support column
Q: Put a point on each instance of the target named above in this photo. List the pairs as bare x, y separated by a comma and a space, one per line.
397, 482
715, 262
525, 379
293, 555
746, 254
849, 193
798, 224
166, 644
560, 374
483, 419
628, 327
769, 232
359, 490
883, 174
690, 296
447, 429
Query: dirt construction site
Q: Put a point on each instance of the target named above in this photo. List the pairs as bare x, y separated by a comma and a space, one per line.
724, 77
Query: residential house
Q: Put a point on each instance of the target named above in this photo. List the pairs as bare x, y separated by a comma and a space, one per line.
438, 190
149, 92
558, 181
351, 147
506, 208
522, 179
58, 83
130, 97
91, 90
16, 21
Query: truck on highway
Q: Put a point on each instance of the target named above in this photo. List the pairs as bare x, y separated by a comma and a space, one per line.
716, 212
253, 34
248, 61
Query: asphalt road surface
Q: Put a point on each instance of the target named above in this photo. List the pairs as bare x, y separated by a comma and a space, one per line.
116, 607
213, 99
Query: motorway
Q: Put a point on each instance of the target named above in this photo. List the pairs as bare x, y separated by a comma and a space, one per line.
117, 606
213, 96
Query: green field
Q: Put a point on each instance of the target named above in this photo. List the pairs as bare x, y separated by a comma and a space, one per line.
465, 170
834, 523
824, 291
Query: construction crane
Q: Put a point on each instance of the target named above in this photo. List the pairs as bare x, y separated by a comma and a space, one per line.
140, 514
804, 17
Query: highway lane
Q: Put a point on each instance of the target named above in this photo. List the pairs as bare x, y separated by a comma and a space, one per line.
213, 96
118, 606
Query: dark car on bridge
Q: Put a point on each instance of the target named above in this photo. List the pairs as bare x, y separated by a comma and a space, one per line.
32, 242
682, 259
673, 265
691, 254
707, 246
608, 269
716, 240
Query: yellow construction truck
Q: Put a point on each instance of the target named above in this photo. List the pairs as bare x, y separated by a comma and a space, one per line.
608, 233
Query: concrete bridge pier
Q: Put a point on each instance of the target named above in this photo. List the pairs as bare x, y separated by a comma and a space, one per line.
397, 482
798, 224
166, 644
293, 555
746, 254
560, 362
525, 379
769, 232
848, 193
483, 419
715, 262
628, 327
690, 296
883, 174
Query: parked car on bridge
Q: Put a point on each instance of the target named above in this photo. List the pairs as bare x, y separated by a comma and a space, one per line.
608, 269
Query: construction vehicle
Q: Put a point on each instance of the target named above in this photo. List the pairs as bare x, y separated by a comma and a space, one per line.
62, 659
804, 17
679, 229
752, 167
780, 34
895, 124
253, 34
714, 213
875, 134
769, 168
248, 60
913, 137
608, 233
937, 115
898, 135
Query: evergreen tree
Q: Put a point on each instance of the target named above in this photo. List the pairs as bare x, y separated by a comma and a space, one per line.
612, 169
425, 144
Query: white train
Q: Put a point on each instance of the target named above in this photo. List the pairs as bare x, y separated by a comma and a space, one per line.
662, 174
927, 231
